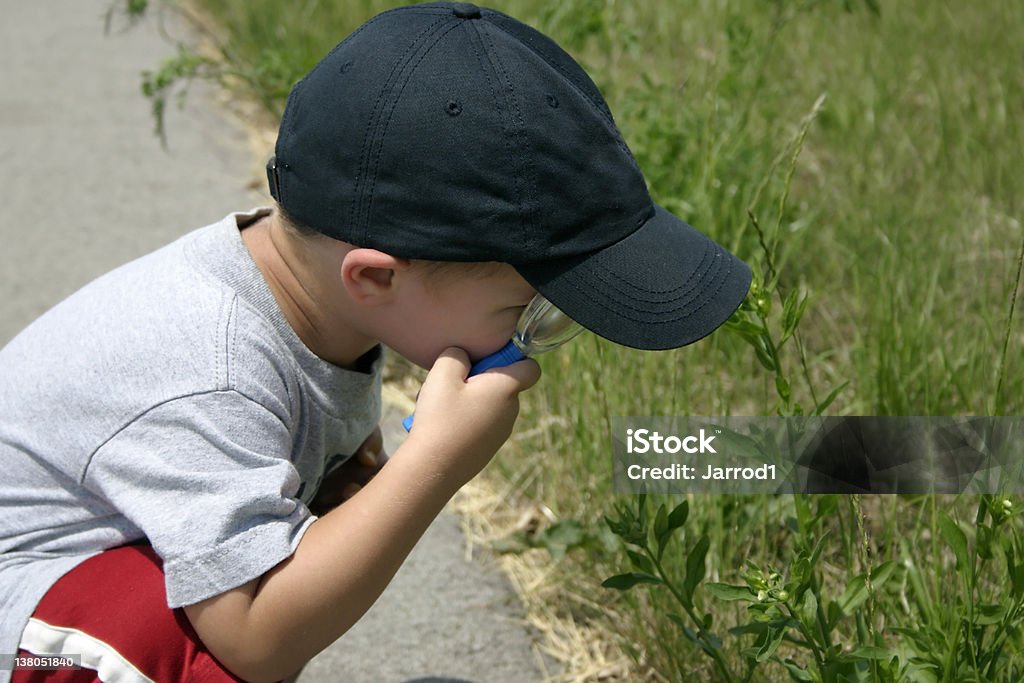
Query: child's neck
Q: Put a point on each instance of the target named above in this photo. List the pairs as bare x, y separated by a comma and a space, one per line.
302, 297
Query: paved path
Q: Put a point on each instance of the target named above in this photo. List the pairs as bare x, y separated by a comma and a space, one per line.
86, 187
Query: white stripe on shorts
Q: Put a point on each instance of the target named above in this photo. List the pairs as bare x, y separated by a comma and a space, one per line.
41, 638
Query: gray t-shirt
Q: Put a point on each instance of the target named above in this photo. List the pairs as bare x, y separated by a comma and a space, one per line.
168, 400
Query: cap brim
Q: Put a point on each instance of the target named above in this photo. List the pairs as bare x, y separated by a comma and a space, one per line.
664, 286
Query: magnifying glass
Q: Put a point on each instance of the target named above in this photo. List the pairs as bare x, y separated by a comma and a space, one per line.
541, 327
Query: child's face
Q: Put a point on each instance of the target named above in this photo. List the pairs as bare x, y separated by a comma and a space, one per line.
477, 313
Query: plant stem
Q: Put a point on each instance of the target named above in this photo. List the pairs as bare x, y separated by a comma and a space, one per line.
709, 648
818, 657
820, 613
804, 126
599, 386
998, 402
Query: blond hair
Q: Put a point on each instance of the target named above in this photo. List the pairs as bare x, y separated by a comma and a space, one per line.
434, 271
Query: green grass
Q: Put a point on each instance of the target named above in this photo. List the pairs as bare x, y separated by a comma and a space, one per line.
900, 219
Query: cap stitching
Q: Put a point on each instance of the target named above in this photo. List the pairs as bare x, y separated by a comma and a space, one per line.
606, 115
374, 20
366, 148
676, 303
700, 270
596, 102
372, 123
353, 211
382, 133
691, 285
712, 294
479, 53
529, 203
294, 104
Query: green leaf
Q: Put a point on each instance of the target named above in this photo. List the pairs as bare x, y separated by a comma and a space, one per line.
738, 444
677, 620
661, 530
730, 593
954, 537
856, 592
747, 629
771, 643
804, 517
984, 545
809, 608
695, 566
566, 532
792, 311
516, 543
869, 652
854, 596
826, 509
821, 407
986, 615
641, 562
983, 506
747, 330
678, 516
834, 614
710, 640
617, 527
1015, 570
797, 672
764, 356
561, 537
624, 582
783, 388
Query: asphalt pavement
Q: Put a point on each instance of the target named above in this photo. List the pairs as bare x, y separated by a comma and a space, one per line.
87, 186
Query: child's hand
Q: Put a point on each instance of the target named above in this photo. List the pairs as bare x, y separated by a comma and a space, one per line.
462, 422
344, 482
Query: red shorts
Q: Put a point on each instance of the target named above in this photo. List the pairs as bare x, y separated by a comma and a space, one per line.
112, 611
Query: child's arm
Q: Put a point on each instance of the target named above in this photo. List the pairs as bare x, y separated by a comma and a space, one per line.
270, 627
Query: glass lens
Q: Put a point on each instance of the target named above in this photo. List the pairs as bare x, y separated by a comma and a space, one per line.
542, 327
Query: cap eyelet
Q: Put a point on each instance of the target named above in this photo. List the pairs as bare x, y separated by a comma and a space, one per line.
346, 67
552, 101
453, 108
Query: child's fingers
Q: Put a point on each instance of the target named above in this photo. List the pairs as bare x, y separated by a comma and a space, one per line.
453, 362
522, 374
368, 453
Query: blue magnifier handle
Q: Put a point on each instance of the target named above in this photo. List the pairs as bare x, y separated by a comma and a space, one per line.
506, 355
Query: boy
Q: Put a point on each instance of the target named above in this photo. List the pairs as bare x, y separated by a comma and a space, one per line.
166, 429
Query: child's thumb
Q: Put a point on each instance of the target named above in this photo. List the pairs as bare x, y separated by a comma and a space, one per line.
453, 363
523, 374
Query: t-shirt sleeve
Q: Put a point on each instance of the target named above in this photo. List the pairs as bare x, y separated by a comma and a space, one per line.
208, 480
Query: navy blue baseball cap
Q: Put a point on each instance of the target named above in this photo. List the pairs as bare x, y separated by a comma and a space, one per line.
451, 132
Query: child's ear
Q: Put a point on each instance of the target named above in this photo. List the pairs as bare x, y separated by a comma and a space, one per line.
368, 274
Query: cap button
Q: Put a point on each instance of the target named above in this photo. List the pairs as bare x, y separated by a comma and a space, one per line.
466, 10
